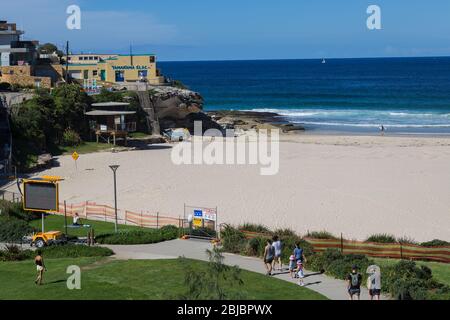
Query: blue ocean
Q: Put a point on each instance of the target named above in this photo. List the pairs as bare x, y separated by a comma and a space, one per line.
405, 95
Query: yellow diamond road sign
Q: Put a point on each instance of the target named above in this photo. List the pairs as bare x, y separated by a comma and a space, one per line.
75, 156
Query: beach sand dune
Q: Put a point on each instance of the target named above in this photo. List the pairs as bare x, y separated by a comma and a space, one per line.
350, 184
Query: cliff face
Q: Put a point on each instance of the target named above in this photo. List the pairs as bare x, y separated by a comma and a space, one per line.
176, 107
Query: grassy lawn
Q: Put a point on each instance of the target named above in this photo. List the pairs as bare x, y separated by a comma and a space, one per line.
441, 271
137, 135
85, 147
106, 278
56, 223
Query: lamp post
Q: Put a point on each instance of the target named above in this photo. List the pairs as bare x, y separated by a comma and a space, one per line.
114, 169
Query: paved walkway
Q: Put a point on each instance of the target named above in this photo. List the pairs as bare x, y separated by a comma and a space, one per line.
196, 249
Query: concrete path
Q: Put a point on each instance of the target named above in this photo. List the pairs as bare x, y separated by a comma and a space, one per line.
196, 249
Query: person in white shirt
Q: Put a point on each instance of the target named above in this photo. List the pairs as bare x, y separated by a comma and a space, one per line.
277, 246
76, 220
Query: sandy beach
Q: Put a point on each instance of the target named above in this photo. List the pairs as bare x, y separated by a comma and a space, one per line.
357, 185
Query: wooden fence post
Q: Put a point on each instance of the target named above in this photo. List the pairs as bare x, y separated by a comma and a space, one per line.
401, 250
342, 244
141, 224
157, 220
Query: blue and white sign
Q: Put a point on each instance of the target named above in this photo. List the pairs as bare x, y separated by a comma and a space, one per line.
198, 213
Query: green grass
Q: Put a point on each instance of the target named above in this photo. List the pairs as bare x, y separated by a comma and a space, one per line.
137, 135
56, 223
441, 271
85, 147
106, 278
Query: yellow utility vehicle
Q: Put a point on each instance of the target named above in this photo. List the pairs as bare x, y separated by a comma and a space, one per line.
40, 239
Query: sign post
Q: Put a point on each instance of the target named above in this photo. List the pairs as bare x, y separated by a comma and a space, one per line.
41, 195
75, 157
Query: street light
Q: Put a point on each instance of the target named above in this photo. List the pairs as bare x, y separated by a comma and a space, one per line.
114, 169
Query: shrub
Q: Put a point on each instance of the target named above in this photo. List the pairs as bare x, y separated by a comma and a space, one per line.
406, 240
381, 238
406, 281
139, 236
334, 263
320, 235
13, 230
75, 251
233, 240
254, 228
435, 243
15, 210
71, 138
14, 253
255, 246
285, 233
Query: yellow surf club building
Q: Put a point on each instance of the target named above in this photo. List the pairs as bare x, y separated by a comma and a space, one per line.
114, 68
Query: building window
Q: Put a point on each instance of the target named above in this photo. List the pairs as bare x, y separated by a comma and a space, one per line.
95, 73
80, 58
152, 59
91, 58
120, 76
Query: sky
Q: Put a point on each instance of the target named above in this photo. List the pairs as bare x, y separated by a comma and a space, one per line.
183, 30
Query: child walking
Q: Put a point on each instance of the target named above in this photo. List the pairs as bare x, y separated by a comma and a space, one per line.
292, 266
300, 273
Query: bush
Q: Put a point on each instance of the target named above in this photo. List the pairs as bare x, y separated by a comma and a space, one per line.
255, 246
71, 138
13, 230
139, 236
254, 228
381, 238
233, 240
15, 210
406, 240
435, 243
334, 263
14, 253
75, 251
320, 235
406, 281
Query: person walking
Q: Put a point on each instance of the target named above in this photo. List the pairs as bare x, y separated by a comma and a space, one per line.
374, 282
354, 280
40, 267
298, 253
278, 247
269, 255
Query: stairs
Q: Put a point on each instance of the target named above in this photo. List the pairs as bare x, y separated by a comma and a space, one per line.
147, 106
5, 141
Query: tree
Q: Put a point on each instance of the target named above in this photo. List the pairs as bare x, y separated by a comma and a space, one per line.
212, 283
50, 48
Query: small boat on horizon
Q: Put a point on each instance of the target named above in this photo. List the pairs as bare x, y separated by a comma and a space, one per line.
324, 61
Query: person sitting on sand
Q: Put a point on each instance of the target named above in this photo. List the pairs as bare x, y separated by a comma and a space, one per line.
76, 220
269, 254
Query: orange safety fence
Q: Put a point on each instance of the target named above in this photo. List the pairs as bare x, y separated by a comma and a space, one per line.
373, 249
383, 250
100, 212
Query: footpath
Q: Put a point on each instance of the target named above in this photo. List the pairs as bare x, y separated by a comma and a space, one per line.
331, 288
